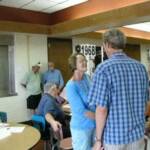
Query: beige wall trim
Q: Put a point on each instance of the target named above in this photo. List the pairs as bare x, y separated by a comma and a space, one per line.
10, 26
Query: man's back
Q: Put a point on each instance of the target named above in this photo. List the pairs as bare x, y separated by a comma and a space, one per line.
126, 96
48, 105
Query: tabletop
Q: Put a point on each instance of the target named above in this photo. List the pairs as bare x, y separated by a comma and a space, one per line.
20, 141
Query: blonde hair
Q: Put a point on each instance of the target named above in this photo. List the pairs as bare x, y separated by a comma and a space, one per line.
73, 60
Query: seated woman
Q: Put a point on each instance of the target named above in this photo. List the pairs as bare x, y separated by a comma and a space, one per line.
49, 108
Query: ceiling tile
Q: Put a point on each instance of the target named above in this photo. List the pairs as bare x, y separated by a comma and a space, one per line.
63, 5
52, 9
70, 3
48, 6
14, 3
39, 5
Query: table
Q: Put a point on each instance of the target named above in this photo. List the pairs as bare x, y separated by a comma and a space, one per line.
21, 141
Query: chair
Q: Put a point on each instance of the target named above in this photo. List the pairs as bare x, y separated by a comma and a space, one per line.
48, 135
40, 123
147, 133
3, 116
62, 143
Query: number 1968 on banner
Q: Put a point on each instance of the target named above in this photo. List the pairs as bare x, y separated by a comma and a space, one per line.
87, 49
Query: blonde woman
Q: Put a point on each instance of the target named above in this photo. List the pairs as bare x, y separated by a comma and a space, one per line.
82, 121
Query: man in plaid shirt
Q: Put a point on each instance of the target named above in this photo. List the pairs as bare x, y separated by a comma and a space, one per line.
119, 92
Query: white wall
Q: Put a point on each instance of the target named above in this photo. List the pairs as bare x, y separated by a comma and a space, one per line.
28, 49
144, 55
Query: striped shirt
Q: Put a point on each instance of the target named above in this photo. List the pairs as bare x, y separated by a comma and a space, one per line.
121, 85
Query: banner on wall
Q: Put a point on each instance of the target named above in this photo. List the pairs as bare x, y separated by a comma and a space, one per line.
87, 49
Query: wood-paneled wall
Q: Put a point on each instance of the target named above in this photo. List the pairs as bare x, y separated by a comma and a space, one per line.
59, 51
133, 51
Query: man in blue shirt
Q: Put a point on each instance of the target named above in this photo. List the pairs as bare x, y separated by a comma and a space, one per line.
119, 92
51, 110
53, 75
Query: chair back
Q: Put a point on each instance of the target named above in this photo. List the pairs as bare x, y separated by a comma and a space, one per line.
39, 119
3, 116
39, 122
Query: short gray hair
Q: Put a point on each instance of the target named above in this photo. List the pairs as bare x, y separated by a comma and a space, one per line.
115, 38
47, 86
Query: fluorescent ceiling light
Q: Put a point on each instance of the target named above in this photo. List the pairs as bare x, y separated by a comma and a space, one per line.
141, 26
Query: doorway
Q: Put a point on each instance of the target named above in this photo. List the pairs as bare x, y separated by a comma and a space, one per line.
59, 51
133, 51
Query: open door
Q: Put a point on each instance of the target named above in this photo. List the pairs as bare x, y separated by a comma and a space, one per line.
59, 51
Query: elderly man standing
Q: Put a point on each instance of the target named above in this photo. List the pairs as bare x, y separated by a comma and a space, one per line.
32, 82
119, 92
53, 75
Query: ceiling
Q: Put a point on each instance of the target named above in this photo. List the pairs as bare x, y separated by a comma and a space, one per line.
86, 17
47, 6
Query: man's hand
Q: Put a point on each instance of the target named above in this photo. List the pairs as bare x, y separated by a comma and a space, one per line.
24, 85
98, 146
56, 126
